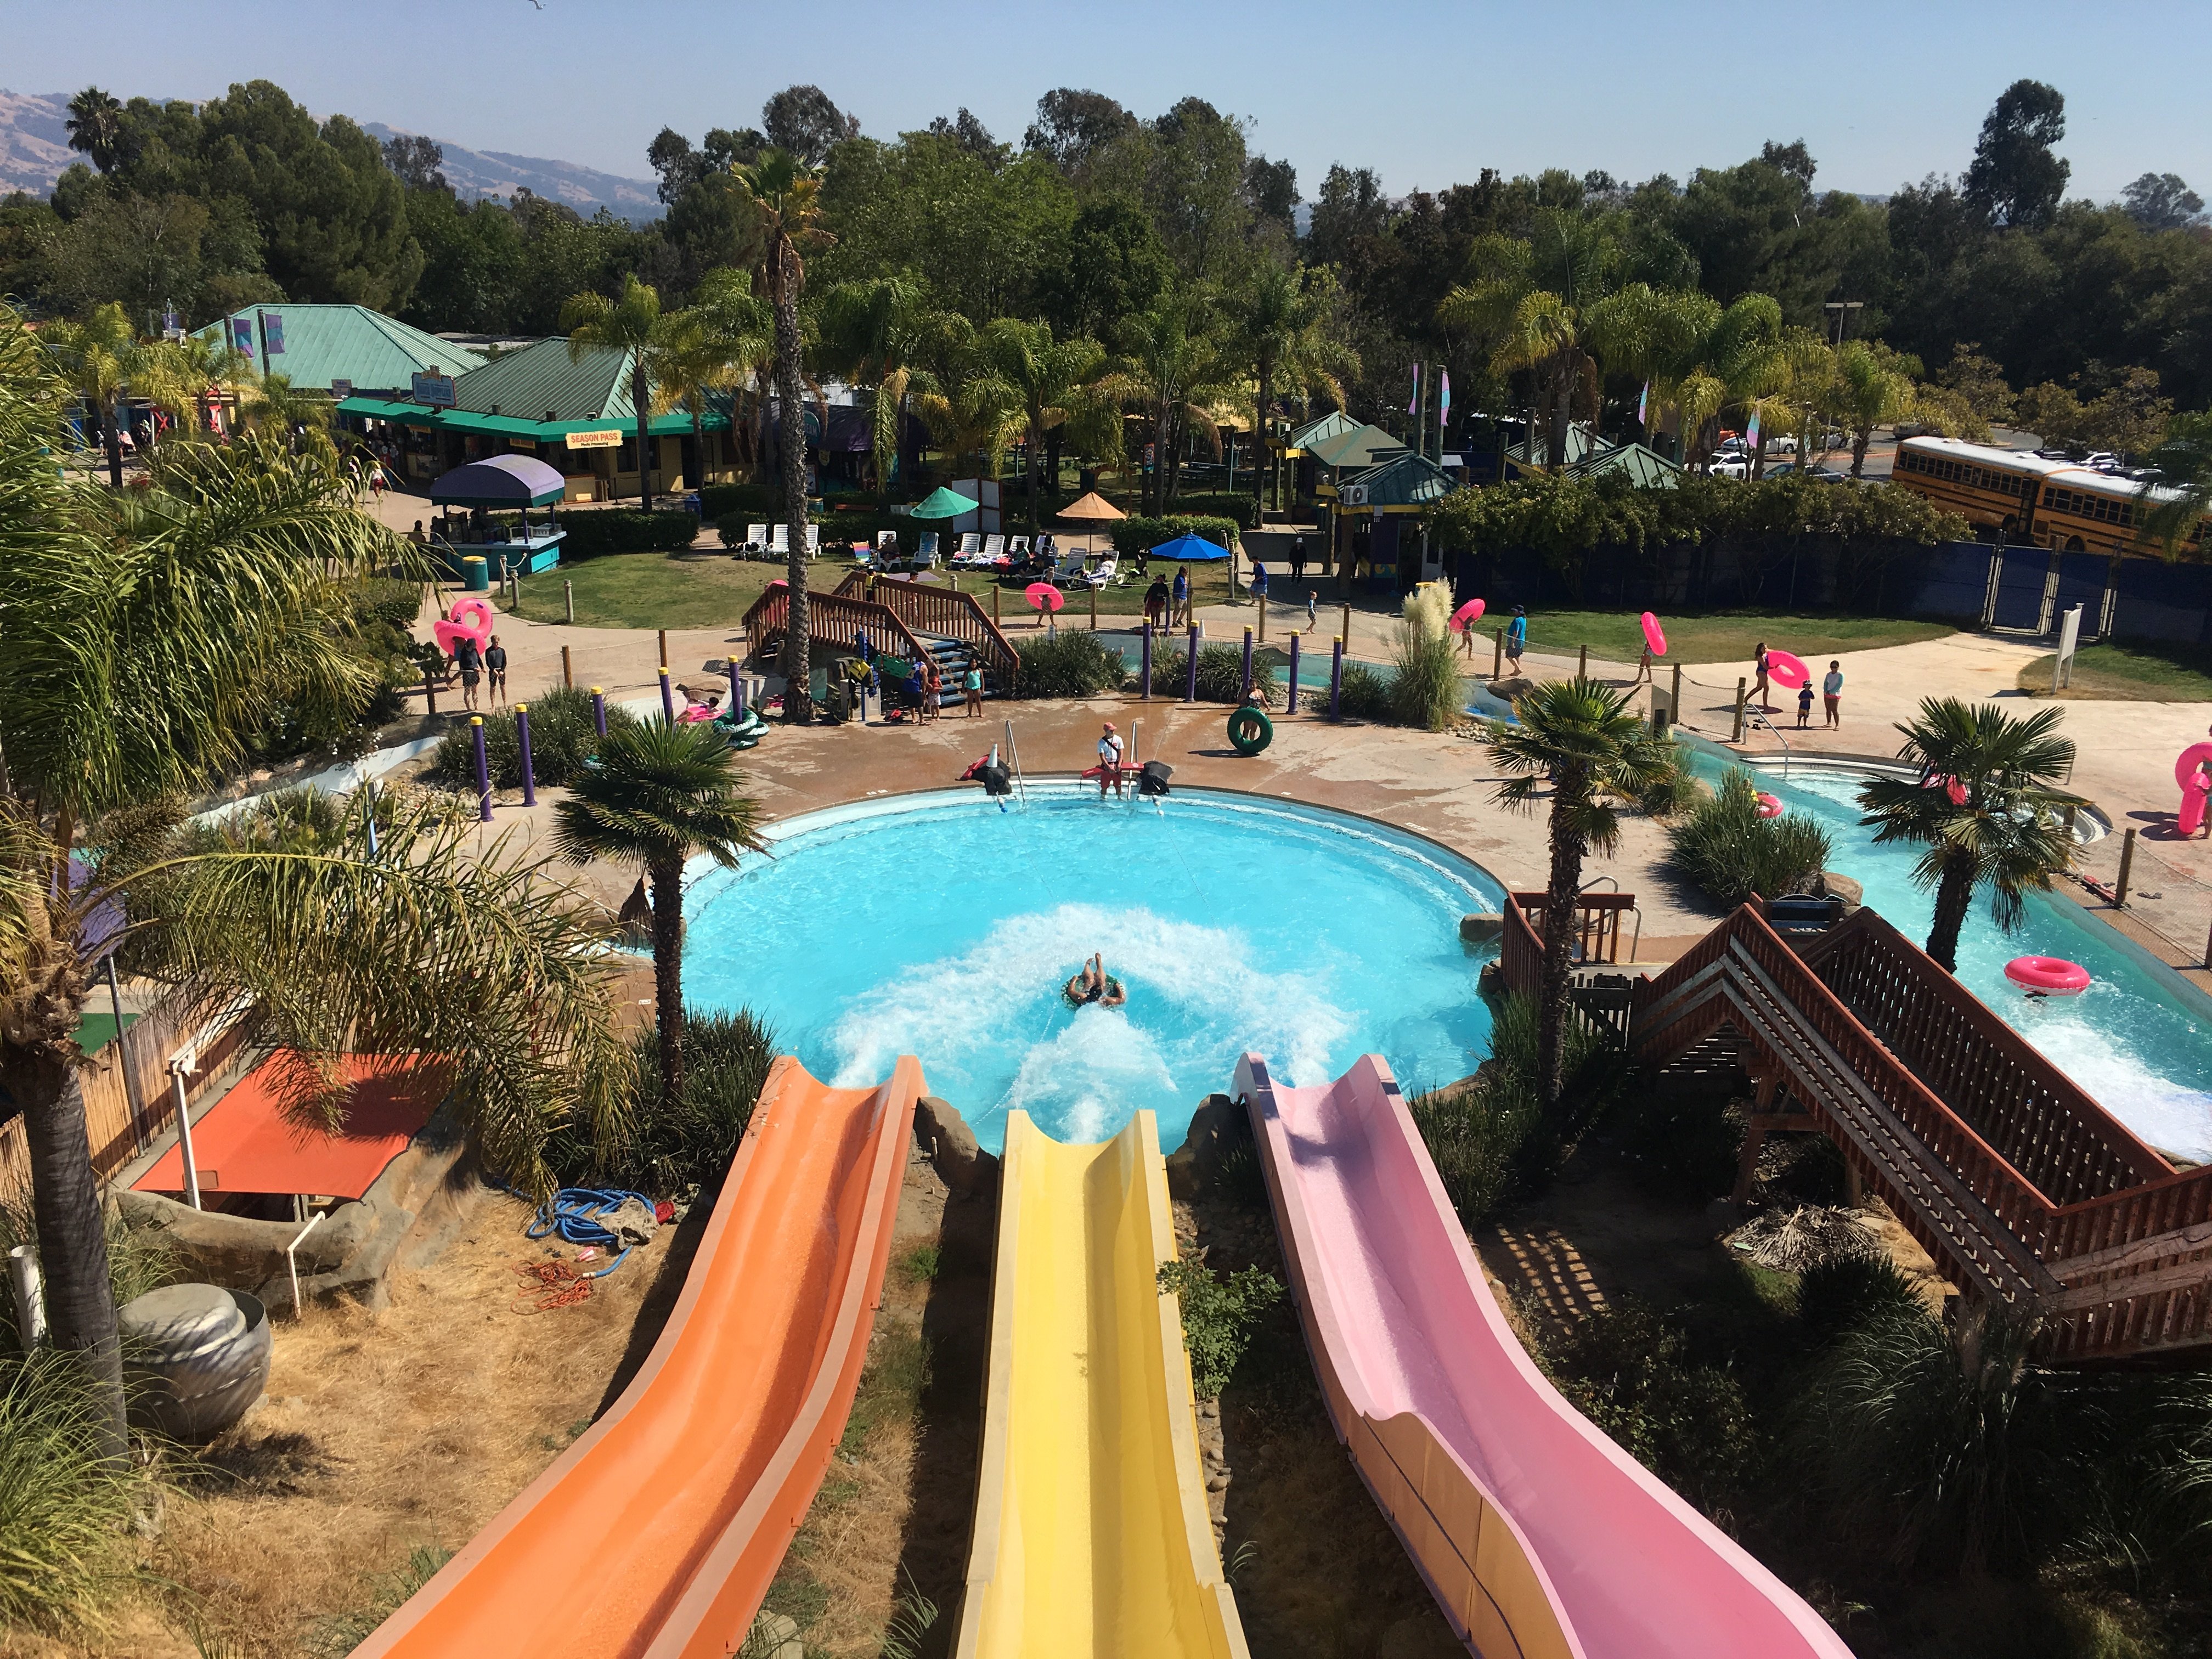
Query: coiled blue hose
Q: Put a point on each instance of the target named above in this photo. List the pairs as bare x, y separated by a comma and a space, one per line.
575, 1215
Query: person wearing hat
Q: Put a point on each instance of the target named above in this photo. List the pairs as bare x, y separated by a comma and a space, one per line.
1109, 761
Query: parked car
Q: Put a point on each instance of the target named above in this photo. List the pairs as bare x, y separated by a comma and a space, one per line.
1726, 466
1783, 443
2103, 460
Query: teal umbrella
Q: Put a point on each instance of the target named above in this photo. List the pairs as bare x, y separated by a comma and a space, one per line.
943, 503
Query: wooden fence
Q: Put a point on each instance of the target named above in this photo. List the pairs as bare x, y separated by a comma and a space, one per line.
831, 619
129, 1099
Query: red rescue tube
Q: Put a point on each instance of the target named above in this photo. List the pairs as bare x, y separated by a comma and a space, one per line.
2051, 976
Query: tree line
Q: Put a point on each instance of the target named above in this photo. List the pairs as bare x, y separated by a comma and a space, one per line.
1961, 302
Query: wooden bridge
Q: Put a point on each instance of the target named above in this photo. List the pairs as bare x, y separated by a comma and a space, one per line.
2025, 1191
943, 612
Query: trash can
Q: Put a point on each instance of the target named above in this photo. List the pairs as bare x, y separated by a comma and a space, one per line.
476, 575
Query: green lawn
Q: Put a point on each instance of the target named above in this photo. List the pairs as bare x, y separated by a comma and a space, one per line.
1719, 636
659, 590
2130, 674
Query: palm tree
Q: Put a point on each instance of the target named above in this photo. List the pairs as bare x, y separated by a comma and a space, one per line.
1651, 335
100, 355
1032, 385
785, 198
149, 640
1172, 368
1579, 735
712, 345
1985, 805
276, 402
1873, 386
96, 126
631, 324
2183, 461
660, 795
1282, 324
883, 332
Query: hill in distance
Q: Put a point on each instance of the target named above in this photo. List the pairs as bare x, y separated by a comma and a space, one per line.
34, 150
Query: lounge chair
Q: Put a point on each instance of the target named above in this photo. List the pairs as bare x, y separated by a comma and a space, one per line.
1070, 568
813, 540
995, 548
1016, 556
925, 555
887, 546
755, 539
778, 541
971, 542
1107, 573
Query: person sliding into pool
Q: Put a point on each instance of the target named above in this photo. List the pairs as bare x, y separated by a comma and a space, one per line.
1091, 984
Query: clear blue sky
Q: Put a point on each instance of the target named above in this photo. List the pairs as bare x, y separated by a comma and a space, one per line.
1426, 93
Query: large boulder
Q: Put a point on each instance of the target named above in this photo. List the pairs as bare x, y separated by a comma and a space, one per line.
1853, 893
963, 1165
1482, 927
1219, 1124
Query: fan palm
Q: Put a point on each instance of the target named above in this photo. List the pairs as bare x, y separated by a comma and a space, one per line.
100, 355
634, 323
712, 345
1580, 736
2183, 461
1651, 335
785, 197
2003, 833
660, 795
1282, 324
1035, 385
148, 639
883, 332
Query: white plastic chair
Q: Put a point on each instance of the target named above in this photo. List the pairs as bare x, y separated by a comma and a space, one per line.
756, 538
813, 539
778, 540
1107, 573
995, 548
925, 555
969, 542
1017, 549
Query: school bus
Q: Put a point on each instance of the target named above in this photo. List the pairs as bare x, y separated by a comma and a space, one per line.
2028, 501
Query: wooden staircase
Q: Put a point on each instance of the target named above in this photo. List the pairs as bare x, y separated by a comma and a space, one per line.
2027, 1191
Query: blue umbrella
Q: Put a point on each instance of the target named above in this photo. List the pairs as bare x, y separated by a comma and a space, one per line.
1189, 550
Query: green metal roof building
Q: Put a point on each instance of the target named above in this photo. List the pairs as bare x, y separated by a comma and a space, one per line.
1586, 457
325, 345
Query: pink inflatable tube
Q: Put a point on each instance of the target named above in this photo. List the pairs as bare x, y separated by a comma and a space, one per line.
1787, 671
1770, 807
1043, 595
1536, 1534
2048, 974
1467, 616
475, 617
2195, 787
1656, 636
450, 634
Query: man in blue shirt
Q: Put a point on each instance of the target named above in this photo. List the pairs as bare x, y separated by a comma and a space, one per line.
1181, 594
1259, 580
1516, 637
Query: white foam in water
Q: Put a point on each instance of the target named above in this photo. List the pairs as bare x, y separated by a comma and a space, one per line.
1194, 1003
2170, 1116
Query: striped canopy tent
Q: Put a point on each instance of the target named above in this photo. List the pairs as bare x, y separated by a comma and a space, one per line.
504, 480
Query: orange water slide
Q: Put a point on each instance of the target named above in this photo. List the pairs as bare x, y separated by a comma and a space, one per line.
655, 1535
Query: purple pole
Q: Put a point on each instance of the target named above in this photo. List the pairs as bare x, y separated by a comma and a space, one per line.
737, 691
1190, 676
522, 734
1292, 706
667, 696
600, 711
1336, 682
1247, 691
1148, 660
483, 770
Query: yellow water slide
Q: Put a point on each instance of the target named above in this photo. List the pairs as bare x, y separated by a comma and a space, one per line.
1092, 1535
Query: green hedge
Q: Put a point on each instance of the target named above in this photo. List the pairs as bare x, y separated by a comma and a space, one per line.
1137, 534
1073, 663
1220, 675
720, 501
626, 529
562, 735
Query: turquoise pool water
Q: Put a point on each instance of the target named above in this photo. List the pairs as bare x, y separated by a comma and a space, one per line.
943, 927
2134, 1041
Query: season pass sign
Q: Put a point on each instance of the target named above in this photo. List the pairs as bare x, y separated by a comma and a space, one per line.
609, 438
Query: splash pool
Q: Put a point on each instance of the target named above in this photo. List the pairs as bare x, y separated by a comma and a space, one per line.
2141, 1045
938, 925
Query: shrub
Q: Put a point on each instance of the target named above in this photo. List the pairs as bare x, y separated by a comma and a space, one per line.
1135, 535
1683, 1146
1425, 691
726, 1060
1475, 1138
394, 604
626, 529
1073, 663
1729, 851
1218, 1316
1849, 1292
757, 501
1220, 675
1674, 789
1217, 504
1630, 1372
66, 1510
1364, 695
562, 737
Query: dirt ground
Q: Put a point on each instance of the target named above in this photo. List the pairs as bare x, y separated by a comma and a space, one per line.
382, 1435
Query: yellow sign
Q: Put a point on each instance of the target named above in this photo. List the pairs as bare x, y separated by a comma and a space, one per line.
608, 440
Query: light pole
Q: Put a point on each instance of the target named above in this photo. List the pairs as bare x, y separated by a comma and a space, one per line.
1842, 308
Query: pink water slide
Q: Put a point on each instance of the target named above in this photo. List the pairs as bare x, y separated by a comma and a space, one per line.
1540, 1538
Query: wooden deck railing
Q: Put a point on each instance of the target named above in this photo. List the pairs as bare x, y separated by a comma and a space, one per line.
831, 618
2120, 1271
949, 614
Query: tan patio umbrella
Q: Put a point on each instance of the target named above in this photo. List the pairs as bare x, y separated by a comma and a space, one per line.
1091, 509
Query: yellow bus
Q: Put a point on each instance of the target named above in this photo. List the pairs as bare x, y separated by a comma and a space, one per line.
2028, 501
